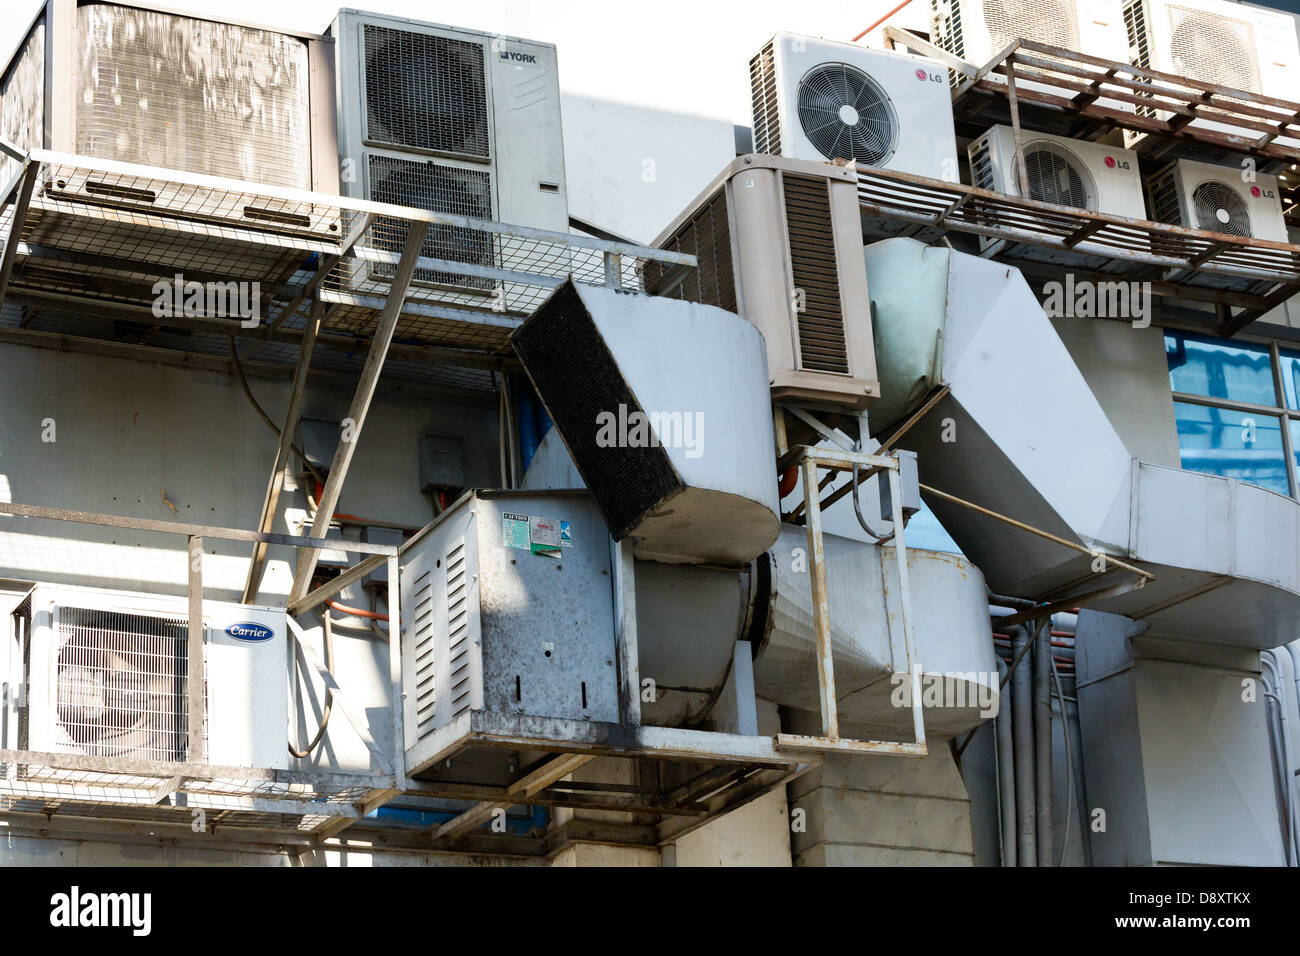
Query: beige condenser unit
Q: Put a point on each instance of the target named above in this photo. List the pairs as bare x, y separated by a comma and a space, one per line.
779, 242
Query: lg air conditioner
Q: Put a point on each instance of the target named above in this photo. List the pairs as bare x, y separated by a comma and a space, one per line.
1216, 42
779, 242
148, 88
450, 121
978, 30
1218, 199
819, 100
104, 673
1066, 172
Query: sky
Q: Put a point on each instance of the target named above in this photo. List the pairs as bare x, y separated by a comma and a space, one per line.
684, 55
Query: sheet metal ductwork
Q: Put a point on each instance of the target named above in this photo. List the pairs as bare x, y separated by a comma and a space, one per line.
675, 441
1028, 439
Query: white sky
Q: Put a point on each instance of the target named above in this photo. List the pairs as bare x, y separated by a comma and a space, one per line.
684, 55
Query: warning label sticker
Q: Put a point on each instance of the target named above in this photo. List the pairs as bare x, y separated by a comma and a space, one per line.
536, 534
516, 531
544, 534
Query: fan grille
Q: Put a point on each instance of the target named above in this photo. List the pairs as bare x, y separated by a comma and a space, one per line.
121, 684
847, 115
1047, 21
1219, 208
1214, 49
1056, 175
425, 92
437, 188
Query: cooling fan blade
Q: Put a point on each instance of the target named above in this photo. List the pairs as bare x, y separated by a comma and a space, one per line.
847, 115
1219, 208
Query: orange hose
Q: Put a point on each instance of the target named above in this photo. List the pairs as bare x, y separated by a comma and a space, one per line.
356, 611
881, 20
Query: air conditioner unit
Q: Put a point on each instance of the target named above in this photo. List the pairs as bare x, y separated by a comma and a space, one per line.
819, 100
1217, 199
451, 121
159, 89
1217, 42
507, 607
103, 673
1068, 172
779, 242
978, 30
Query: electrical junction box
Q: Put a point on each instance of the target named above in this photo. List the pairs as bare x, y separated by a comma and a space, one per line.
507, 605
442, 462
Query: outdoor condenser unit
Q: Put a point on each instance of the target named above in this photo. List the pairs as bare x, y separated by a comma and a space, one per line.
507, 606
1214, 41
978, 30
779, 242
103, 673
159, 89
1217, 199
451, 121
820, 100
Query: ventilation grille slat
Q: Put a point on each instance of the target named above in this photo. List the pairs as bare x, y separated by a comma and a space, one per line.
762, 83
458, 658
1213, 48
822, 346
707, 236
1139, 44
423, 633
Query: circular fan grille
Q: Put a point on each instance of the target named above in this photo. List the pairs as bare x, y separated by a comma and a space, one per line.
847, 115
1047, 21
1056, 175
1220, 209
1215, 52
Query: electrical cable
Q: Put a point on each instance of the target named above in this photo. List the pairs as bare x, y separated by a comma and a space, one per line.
248, 393
329, 696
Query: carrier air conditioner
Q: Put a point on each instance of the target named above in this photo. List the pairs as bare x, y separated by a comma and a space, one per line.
779, 242
158, 89
1217, 199
1217, 42
978, 30
103, 673
507, 607
450, 121
819, 100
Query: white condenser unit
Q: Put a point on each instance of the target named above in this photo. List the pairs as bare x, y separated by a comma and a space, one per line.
978, 30
1217, 199
103, 673
451, 121
180, 93
1218, 42
1068, 172
820, 100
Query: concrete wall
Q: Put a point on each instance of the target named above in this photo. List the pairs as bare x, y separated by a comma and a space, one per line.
632, 169
881, 811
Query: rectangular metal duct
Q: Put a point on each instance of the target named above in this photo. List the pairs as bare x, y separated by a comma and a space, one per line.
780, 242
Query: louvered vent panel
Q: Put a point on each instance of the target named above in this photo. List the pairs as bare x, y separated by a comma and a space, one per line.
459, 645
1213, 48
981, 165
1139, 43
437, 188
120, 684
425, 92
767, 122
946, 31
1163, 192
822, 347
1048, 21
424, 655
708, 238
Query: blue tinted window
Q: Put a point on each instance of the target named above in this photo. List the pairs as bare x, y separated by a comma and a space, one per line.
1243, 445
1291, 378
1216, 368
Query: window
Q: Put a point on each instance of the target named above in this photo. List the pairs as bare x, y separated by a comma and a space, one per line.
1237, 408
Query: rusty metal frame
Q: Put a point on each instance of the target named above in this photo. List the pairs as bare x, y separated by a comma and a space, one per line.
811, 461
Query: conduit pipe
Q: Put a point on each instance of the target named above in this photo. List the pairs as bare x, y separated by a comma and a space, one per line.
1283, 751
1006, 775
1043, 744
1023, 739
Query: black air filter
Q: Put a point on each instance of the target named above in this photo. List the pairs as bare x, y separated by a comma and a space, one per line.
578, 379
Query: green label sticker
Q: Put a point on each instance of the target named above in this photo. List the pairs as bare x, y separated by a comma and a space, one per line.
515, 528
